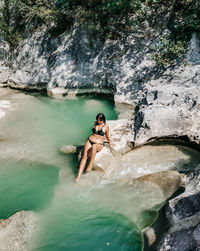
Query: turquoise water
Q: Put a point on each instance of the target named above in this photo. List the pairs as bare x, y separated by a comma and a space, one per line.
25, 185
104, 231
34, 175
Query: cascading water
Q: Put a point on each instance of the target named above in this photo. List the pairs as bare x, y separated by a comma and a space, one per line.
103, 211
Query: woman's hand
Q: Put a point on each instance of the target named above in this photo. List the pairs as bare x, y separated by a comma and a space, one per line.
111, 144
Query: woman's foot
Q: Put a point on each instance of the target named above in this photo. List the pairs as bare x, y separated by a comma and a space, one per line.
77, 179
88, 169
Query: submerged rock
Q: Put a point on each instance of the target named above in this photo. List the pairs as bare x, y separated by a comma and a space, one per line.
16, 231
68, 149
150, 159
168, 182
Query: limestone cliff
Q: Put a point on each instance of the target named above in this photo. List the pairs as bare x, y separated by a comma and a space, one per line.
166, 98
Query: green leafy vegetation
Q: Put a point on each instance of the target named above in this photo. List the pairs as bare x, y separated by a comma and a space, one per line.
184, 18
169, 51
18, 16
104, 19
182, 22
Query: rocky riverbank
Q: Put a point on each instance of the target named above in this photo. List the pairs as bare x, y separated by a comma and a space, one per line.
164, 100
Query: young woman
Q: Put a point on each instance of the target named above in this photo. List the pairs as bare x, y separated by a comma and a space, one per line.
94, 143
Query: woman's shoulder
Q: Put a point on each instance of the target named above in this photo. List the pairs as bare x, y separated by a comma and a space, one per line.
106, 126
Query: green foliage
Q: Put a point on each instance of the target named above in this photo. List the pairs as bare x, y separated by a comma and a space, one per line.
5, 25
182, 23
184, 18
40, 10
102, 18
18, 15
169, 51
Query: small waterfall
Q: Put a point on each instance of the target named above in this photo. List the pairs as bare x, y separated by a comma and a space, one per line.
193, 54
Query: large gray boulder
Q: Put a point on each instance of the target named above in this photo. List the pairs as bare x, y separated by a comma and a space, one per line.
169, 106
180, 220
121, 135
68, 149
170, 109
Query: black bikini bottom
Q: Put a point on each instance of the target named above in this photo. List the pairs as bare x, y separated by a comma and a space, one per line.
92, 143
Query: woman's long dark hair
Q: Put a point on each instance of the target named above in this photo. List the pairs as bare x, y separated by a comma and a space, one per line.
101, 116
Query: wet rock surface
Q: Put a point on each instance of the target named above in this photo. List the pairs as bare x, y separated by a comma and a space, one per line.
187, 239
167, 181
182, 217
68, 149
17, 230
181, 240
186, 206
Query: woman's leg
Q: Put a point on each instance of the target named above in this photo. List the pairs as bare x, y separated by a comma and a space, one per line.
95, 148
87, 147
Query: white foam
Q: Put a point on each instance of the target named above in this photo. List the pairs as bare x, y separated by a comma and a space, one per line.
5, 104
2, 113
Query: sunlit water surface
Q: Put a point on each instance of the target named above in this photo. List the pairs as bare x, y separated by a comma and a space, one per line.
95, 214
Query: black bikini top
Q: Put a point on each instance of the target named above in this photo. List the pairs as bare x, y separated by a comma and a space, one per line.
100, 132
